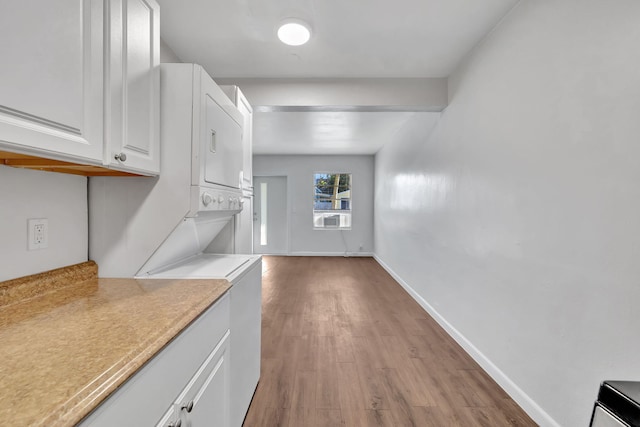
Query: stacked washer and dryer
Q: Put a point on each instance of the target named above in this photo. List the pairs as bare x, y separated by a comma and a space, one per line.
165, 227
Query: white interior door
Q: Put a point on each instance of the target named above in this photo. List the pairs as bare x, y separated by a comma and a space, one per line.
270, 231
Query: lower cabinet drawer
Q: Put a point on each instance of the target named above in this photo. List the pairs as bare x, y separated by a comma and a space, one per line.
157, 386
205, 400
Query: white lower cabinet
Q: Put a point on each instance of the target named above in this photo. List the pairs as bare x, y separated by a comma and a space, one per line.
186, 384
205, 400
210, 400
246, 318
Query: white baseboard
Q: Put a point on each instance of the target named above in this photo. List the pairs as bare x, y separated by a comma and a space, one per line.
348, 254
515, 392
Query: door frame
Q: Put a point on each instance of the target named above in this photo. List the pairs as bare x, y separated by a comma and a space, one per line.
287, 252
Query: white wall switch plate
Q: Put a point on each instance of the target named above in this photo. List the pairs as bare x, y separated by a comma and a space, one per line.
37, 233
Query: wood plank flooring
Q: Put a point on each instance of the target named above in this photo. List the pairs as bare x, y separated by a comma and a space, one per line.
344, 345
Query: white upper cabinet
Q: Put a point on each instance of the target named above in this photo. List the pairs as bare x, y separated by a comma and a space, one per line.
51, 78
133, 102
80, 82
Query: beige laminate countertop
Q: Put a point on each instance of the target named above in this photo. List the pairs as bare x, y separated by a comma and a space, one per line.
66, 344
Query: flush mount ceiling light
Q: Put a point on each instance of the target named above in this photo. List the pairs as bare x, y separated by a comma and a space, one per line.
294, 32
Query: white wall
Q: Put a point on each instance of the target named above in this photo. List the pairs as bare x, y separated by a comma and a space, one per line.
518, 219
167, 54
62, 199
304, 240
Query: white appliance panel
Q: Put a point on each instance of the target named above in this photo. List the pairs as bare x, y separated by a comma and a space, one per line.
222, 143
190, 237
207, 266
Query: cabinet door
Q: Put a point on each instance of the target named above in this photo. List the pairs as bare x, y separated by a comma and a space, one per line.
133, 102
205, 401
246, 319
51, 79
247, 140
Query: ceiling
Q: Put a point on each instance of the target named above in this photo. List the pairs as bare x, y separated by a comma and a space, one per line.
325, 132
351, 39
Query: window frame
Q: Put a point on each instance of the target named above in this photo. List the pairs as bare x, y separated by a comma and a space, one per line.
345, 215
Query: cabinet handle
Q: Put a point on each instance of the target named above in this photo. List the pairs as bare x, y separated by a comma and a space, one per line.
213, 147
188, 407
177, 423
123, 158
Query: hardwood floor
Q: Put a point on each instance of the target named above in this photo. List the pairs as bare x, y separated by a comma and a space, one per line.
344, 345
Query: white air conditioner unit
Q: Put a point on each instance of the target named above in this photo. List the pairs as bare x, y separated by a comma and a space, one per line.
331, 221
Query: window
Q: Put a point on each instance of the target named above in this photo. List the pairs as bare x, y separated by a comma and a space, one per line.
263, 214
332, 201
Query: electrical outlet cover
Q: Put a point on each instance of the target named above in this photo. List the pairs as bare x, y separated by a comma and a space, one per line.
37, 233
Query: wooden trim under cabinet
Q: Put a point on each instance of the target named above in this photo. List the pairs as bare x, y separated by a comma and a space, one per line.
25, 161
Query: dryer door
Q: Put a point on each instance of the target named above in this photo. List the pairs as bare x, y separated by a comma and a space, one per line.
221, 137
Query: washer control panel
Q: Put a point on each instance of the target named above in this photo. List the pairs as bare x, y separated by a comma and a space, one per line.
214, 199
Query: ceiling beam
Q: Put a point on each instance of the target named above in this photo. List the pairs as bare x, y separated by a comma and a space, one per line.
368, 94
